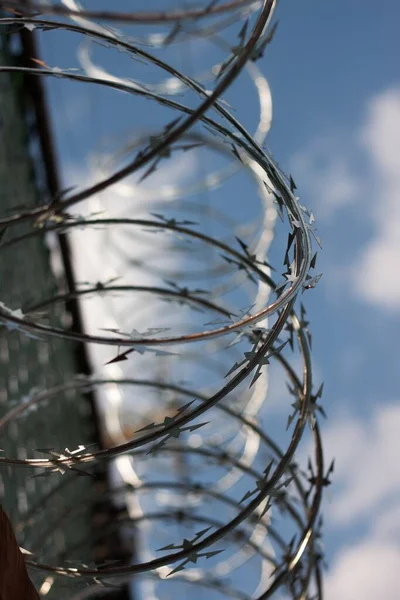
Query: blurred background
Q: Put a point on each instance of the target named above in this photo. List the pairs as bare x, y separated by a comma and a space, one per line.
324, 99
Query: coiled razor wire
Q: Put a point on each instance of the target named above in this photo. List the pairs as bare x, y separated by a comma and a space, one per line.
201, 480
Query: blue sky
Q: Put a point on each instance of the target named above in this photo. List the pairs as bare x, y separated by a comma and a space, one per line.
337, 124
335, 90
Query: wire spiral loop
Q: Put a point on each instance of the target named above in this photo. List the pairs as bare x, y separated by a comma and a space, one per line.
187, 313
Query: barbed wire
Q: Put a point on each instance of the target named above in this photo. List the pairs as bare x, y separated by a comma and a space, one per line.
164, 456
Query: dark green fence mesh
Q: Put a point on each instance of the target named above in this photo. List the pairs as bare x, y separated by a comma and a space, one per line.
51, 515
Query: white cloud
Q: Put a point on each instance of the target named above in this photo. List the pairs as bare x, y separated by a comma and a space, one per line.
367, 476
328, 170
323, 171
381, 133
366, 488
367, 570
375, 273
386, 526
